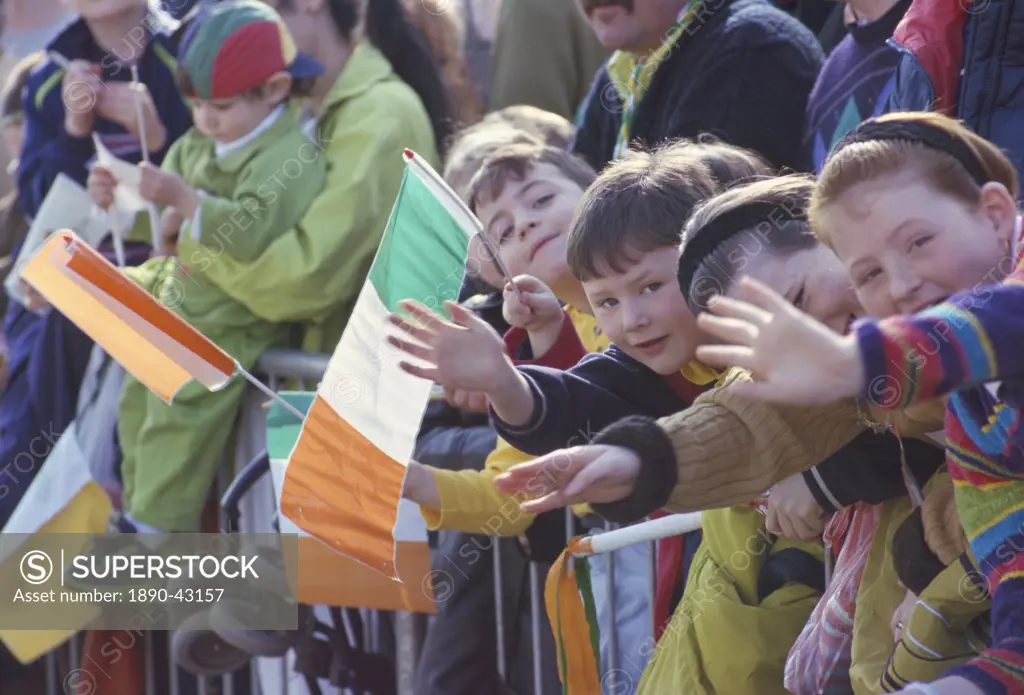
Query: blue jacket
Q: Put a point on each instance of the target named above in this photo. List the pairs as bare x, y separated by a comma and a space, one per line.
47, 354
965, 60
49, 150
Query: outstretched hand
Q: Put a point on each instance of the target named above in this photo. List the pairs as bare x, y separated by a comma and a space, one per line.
464, 354
794, 359
596, 473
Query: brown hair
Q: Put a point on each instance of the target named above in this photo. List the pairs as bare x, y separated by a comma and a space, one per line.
472, 146
549, 127
14, 86
514, 162
638, 204
728, 164
866, 161
782, 232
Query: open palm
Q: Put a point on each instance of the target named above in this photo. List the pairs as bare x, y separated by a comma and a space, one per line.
591, 474
794, 359
465, 354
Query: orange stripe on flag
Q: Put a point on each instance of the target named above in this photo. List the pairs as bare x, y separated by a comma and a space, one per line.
159, 348
93, 267
351, 507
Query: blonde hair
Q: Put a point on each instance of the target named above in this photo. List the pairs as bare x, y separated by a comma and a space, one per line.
871, 159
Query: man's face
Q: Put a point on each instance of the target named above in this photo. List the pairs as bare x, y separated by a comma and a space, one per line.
636, 26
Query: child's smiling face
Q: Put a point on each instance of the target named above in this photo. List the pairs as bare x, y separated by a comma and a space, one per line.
643, 311
529, 220
908, 246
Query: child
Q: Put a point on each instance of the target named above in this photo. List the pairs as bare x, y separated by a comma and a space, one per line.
528, 212
13, 223
240, 67
923, 214
538, 189
47, 355
723, 452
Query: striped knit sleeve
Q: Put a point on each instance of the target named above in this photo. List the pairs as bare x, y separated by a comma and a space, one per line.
972, 338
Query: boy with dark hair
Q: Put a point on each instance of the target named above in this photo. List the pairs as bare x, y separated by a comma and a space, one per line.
636, 302
526, 199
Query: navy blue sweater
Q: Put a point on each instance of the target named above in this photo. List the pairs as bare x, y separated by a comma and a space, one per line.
48, 150
572, 406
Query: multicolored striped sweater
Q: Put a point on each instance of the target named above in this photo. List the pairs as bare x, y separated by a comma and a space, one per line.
971, 346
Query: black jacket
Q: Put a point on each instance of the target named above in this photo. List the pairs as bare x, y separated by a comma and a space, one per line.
743, 71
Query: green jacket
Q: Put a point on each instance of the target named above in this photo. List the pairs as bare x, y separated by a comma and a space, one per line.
250, 198
313, 272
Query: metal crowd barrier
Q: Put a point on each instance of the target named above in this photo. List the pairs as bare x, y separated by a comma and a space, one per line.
288, 368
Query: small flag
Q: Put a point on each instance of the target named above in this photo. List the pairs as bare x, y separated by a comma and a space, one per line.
343, 482
149, 340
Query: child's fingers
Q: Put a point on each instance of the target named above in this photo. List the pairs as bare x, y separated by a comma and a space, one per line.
428, 373
411, 348
412, 329
732, 308
735, 331
427, 318
463, 316
726, 356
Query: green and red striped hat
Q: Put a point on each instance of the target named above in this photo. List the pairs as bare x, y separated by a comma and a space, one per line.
237, 45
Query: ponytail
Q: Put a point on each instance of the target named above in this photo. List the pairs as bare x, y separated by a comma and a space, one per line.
388, 27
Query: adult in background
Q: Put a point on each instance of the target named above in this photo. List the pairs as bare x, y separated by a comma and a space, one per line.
26, 26
380, 93
544, 55
962, 58
857, 78
741, 69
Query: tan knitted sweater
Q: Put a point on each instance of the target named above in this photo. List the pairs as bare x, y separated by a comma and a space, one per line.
730, 450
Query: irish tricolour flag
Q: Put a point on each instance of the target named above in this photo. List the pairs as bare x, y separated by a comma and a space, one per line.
343, 480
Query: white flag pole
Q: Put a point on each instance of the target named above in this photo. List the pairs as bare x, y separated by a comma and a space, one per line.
653, 530
154, 217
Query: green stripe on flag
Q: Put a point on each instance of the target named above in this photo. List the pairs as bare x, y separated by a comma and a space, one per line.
282, 426
422, 254
582, 568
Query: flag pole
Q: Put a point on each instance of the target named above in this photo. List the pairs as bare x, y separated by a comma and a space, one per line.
118, 242
270, 392
154, 218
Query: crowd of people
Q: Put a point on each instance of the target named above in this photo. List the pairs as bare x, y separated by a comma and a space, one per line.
762, 258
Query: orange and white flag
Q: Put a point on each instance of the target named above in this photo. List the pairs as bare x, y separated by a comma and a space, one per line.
154, 344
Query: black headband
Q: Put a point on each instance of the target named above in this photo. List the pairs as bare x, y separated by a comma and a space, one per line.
702, 242
916, 131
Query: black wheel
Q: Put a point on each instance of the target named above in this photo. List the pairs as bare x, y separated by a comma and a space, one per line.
201, 651
231, 620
